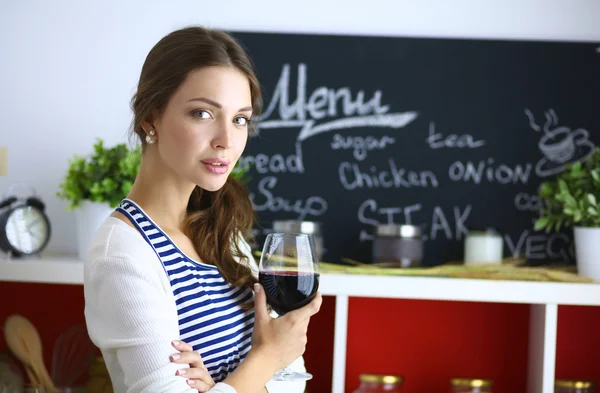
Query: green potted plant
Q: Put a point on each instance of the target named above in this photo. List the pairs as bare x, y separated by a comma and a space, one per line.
573, 200
93, 186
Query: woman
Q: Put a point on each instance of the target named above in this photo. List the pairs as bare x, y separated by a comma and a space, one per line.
171, 262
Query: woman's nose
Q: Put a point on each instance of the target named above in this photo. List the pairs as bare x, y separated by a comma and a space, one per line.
223, 137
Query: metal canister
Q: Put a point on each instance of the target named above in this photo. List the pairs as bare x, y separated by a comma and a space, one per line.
398, 244
305, 227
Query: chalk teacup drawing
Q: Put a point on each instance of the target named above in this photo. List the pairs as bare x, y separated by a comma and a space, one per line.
559, 146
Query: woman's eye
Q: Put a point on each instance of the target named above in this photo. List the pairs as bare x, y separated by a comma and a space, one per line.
241, 121
202, 114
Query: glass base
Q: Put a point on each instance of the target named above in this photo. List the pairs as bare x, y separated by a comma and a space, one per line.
287, 374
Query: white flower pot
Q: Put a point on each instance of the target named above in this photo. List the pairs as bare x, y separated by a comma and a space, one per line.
587, 251
89, 216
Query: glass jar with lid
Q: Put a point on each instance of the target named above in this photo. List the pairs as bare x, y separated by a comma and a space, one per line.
375, 383
573, 386
398, 245
471, 385
311, 228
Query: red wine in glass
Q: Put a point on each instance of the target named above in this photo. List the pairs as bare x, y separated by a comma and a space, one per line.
289, 274
289, 290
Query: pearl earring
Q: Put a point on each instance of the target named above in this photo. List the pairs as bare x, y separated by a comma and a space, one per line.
149, 140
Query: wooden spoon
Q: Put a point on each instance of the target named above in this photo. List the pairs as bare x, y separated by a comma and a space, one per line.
24, 342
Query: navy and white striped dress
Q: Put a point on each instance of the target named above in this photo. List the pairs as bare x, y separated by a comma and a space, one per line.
210, 318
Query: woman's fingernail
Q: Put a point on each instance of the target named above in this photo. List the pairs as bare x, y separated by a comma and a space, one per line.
175, 357
256, 288
176, 342
181, 372
191, 382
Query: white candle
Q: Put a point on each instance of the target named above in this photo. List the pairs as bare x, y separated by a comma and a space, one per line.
483, 248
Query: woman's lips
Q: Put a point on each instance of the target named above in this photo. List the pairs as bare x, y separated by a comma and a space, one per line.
216, 166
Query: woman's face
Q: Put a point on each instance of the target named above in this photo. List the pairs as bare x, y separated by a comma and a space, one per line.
204, 128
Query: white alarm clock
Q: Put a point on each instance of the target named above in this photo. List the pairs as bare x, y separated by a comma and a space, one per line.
24, 226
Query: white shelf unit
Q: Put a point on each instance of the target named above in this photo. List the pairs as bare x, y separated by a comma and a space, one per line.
47, 270
543, 298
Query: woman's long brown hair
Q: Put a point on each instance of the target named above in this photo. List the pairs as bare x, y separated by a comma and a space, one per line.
215, 220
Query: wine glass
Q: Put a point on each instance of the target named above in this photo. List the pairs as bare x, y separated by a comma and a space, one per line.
289, 274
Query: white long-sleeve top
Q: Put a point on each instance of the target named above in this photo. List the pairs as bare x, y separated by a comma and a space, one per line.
131, 315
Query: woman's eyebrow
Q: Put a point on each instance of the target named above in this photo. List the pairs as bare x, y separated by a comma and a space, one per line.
217, 105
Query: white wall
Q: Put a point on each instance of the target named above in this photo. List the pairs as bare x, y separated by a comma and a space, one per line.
69, 68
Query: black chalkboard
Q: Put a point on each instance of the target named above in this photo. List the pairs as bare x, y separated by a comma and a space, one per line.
448, 134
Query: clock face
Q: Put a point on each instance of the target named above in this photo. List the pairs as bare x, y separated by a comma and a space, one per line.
27, 229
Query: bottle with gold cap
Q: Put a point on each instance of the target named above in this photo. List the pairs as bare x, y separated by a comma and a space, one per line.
99, 379
471, 385
573, 386
376, 383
